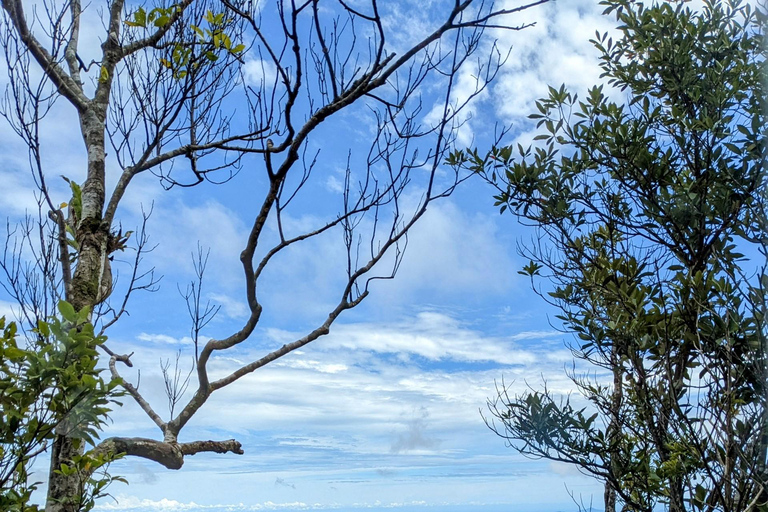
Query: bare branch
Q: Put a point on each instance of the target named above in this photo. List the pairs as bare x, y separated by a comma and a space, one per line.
169, 454
65, 84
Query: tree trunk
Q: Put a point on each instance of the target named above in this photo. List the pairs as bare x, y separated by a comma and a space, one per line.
762, 463
614, 429
63, 492
88, 288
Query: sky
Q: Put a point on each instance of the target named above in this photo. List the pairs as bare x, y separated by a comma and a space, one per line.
386, 412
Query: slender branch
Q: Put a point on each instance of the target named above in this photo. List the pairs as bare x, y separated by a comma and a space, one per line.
133, 391
70, 52
64, 83
158, 34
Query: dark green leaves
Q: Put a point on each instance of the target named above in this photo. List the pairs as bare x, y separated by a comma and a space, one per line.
650, 203
51, 383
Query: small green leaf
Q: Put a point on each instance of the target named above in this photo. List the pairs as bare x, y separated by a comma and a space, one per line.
67, 311
140, 17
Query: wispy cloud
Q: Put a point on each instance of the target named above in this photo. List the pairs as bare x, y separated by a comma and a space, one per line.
434, 336
164, 338
165, 505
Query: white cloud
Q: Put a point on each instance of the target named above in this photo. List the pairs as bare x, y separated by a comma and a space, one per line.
334, 184
465, 94
22, 201
9, 310
165, 339
360, 381
179, 227
535, 335
230, 307
316, 366
555, 51
431, 335
259, 72
133, 503
317, 429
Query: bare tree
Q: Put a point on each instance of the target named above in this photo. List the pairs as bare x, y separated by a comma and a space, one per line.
160, 95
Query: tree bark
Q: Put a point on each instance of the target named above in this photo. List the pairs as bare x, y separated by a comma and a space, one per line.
170, 455
63, 492
90, 285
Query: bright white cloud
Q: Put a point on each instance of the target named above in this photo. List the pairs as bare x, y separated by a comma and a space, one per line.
165, 505
555, 51
163, 338
259, 73
431, 335
230, 307
317, 366
362, 379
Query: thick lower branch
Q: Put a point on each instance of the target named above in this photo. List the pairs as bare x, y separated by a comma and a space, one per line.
170, 455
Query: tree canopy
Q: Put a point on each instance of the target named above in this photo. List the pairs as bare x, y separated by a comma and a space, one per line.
649, 197
170, 90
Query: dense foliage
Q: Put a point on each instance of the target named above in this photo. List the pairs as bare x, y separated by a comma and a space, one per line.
50, 386
649, 196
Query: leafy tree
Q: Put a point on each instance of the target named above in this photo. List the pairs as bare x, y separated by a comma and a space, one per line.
50, 387
649, 197
170, 91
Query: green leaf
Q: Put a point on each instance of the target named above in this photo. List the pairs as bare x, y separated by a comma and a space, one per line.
83, 314
67, 311
76, 203
13, 354
140, 17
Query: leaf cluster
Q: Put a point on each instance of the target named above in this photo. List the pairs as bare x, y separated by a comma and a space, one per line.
51, 386
649, 196
208, 42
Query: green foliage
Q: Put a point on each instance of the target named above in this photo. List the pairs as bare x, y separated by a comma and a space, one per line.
208, 39
647, 207
159, 17
52, 386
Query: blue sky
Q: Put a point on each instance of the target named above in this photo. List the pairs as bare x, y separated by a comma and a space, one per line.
384, 413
